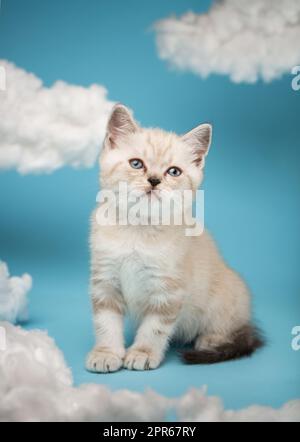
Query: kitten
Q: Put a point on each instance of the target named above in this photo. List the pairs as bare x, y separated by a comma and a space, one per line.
174, 285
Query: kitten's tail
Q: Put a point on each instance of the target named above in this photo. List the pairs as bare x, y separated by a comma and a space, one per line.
243, 343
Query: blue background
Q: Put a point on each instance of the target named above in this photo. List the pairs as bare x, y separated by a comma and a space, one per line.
252, 187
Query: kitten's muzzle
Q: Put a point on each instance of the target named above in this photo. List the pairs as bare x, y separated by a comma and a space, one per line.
154, 181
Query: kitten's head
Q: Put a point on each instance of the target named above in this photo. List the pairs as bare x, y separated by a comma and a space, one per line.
152, 160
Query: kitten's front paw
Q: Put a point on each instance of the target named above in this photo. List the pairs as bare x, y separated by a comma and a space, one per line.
103, 361
141, 359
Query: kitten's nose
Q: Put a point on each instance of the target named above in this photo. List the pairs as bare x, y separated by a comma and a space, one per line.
154, 181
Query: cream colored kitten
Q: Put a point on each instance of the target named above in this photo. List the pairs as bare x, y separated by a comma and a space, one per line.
173, 285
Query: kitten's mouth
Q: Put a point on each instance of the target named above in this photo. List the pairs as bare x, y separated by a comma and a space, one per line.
153, 192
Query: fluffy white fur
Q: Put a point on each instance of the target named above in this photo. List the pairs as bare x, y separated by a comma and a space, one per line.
246, 40
45, 128
174, 286
36, 385
13, 295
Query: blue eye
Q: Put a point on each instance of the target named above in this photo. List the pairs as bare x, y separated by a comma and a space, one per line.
136, 163
174, 171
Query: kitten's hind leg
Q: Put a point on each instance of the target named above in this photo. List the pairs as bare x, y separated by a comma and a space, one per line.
209, 342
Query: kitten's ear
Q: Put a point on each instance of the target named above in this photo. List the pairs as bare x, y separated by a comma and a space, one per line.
199, 139
120, 124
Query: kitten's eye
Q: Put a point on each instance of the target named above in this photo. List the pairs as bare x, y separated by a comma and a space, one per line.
174, 171
136, 163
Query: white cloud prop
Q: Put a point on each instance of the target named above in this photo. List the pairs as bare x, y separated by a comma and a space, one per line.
13, 295
43, 129
36, 385
246, 40
196, 406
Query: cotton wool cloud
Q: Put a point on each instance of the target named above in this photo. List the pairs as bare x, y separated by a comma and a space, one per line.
13, 295
43, 129
37, 385
197, 406
245, 40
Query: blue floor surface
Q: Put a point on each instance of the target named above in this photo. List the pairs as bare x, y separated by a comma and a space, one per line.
60, 305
